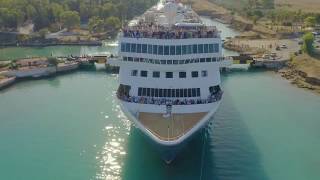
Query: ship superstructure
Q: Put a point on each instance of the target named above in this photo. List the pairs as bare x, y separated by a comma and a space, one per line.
169, 75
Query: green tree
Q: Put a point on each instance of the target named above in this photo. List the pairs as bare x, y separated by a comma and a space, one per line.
310, 21
96, 24
308, 40
56, 10
43, 32
108, 10
112, 23
30, 11
70, 19
53, 61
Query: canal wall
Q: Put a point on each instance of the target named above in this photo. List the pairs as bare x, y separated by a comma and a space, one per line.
7, 82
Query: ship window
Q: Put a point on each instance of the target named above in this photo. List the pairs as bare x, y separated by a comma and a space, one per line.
160, 51
157, 61
169, 62
181, 92
200, 48
173, 92
169, 93
175, 61
197, 60
130, 59
185, 92
148, 91
189, 93
128, 47
206, 48
208, 59
156, 93
155, 49
216, 47
139, 91
123, 47
211, 49
178, 50
184, 49
177, 93
165, 93
195, 49
149, 49
144, 73
125, 58
156, 74
166, 50
194, 92
160, 92
169, 74
163, 61
214, 59
144, 48
136, 59
152, 92
198, 92
138, 48
134, 73
187, 61
194, 74
133, 48
181, 61
204, 73
182, 74
172, 50
202, 60
144, 91
189, 50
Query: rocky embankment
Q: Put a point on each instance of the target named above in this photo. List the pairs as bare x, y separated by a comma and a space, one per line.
303, 71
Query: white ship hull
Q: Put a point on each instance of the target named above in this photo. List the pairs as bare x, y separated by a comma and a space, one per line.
169, 75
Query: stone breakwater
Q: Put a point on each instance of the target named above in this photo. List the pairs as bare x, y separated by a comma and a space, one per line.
301, 79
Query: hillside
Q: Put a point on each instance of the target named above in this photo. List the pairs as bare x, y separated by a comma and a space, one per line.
304, 5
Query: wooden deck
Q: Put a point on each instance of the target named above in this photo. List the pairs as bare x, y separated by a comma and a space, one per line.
172, 128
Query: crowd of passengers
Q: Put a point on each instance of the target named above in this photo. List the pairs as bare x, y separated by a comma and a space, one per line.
166, 101
151, 31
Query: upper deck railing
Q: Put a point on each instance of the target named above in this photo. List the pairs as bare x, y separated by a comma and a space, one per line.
175, 32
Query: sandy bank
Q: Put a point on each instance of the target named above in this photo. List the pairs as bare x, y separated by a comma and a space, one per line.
303, 71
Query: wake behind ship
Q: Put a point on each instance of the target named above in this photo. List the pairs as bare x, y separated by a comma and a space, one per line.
169, 74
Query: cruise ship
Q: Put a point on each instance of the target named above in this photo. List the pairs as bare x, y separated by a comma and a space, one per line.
169, 77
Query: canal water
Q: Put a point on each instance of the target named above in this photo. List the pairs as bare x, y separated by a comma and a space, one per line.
71, 127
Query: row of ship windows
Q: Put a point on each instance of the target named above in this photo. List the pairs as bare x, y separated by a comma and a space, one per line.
156, 74
169, 50
185, 61
168, 93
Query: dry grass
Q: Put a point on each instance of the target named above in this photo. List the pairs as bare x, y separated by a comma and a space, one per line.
304, 5
307, 64
206, 7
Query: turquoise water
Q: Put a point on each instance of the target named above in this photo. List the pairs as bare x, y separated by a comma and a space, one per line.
71, 127
11, 53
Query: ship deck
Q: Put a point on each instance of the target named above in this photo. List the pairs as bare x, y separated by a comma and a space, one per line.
172, 128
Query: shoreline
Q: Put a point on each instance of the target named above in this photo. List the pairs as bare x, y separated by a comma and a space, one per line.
96, 43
